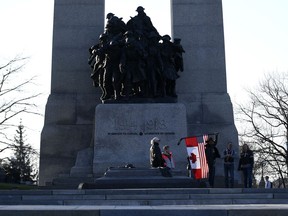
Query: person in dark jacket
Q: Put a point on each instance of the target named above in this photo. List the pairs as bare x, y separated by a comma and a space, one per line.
246, 163
211, 153
156, 159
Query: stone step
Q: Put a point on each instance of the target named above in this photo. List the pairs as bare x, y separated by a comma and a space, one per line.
281, 192
167, 210
68, 182
138, 172
154, 182
121, 178
143, 202
149, 197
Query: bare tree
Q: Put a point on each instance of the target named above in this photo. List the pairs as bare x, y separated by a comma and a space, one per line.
15, 97
265, 120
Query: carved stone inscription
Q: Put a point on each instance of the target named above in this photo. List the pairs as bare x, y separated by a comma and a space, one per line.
125, 124
123, 133
128, 126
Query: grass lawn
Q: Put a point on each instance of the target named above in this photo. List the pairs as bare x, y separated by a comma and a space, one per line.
7, 186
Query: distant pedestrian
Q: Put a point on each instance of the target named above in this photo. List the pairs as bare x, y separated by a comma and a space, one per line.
229, 155
246, 164
268, 184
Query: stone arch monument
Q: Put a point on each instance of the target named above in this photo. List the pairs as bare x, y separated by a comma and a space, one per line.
70, 111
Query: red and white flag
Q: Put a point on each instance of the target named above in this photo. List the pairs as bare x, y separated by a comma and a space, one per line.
197, 158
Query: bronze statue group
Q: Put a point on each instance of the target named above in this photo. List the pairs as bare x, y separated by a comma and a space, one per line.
133, 60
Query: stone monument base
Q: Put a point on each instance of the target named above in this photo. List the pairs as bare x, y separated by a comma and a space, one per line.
123, 133
123, 178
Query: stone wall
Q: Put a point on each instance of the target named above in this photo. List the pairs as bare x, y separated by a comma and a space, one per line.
70, 108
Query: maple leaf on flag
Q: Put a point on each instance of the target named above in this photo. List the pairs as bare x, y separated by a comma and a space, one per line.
193, 158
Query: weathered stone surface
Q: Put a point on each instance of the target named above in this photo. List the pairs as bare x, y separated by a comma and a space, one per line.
70, 108
84, 163
123, 133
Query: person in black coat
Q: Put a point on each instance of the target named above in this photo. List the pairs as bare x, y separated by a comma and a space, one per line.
211, 153
246, 163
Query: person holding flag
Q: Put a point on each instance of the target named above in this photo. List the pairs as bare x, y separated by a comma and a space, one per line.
211, 153
202, 153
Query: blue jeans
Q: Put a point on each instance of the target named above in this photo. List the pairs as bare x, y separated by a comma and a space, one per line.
247, 174
229, 175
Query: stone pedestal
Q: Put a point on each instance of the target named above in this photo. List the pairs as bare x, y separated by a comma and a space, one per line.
83, 165
123, 133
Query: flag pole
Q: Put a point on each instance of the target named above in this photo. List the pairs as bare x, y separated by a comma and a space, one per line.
179, 142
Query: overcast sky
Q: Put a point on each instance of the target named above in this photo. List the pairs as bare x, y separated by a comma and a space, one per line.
256, 33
